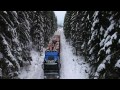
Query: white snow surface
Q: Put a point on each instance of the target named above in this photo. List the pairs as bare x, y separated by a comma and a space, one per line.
0, 72
1, 55
108, 51
100, 67
5, 12
119, 41
33, 71
117, 64
72, 67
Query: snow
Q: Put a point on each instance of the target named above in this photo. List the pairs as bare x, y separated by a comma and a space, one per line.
33, 71
82, 46
102, 42
9, 63
101, 30
106, 33
108, 51
15, 13
15, 40
119, 41
1, 55
28, 24
101, 67
108, 43
111, 18
0, 72
91, 50
96, 14
88, 17
5, 12
96, 75
93, 35
94, 23
107, 39
72, 67
111, 27
114, 36
117, 64
107, 59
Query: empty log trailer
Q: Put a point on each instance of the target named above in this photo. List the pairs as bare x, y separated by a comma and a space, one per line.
51, 64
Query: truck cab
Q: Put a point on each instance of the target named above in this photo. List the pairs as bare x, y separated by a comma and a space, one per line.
51, 65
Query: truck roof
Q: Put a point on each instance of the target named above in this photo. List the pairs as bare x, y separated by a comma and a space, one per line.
53, 53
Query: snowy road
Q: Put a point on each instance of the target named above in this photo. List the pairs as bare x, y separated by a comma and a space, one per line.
72, 67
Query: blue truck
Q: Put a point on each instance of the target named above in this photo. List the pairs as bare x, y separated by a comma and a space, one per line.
51, 64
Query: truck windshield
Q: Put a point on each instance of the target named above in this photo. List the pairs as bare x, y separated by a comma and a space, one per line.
50, 57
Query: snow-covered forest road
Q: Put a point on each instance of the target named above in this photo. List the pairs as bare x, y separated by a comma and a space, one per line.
72, 67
